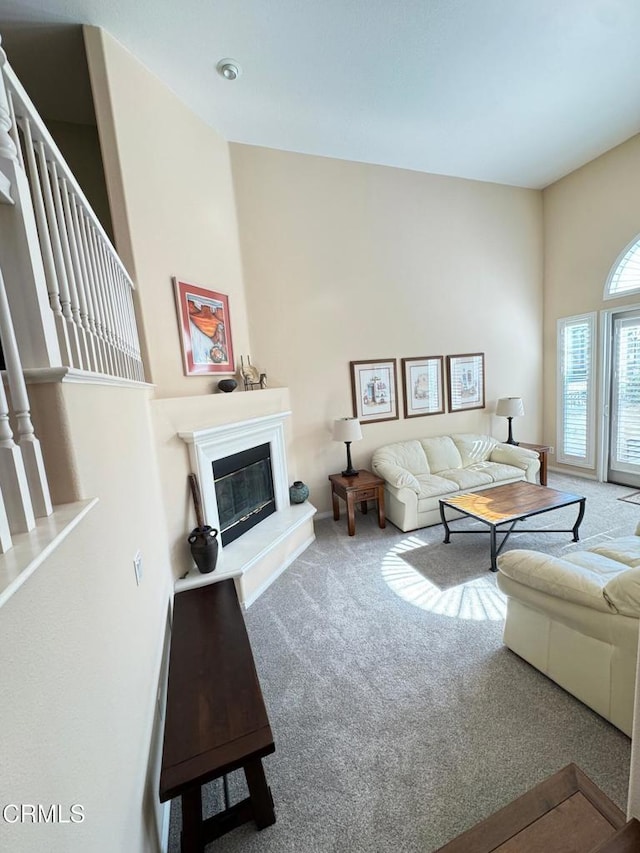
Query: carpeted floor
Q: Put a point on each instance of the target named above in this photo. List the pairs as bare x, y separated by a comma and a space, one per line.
399, 717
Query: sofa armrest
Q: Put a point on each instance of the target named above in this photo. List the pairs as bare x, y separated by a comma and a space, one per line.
519, 457
557, 577
396, 475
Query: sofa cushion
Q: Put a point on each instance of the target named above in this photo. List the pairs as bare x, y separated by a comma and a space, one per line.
432, 484
623, 591
499, 472
557, 577
596, 563
399, 464
441, 453
625, 549
473, 448
467, 478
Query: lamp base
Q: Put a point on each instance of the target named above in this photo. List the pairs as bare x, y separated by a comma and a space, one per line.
350, 471
510, 436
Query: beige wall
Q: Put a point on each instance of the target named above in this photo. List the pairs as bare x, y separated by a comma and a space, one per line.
81, 645
346, 261
171, 194
589, 217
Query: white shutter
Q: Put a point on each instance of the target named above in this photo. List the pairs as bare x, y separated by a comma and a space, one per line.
576, 380
625, 273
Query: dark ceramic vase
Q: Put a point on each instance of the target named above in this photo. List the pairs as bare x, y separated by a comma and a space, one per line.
298, 493
227, 385
204, 548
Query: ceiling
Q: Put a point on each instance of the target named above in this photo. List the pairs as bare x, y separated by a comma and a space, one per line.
511, 91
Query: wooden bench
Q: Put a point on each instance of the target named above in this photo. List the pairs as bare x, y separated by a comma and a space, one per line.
216, 719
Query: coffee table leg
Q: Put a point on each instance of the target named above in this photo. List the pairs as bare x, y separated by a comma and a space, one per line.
445, 525
576, 526
494, 565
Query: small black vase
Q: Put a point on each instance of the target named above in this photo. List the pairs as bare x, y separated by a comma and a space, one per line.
204, 548
227, 385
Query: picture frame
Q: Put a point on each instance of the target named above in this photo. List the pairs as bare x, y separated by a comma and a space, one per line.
205, 329
423, 386
465, 380
373, 390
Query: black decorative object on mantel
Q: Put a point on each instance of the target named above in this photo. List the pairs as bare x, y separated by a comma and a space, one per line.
298, 492
203, 538
227, 385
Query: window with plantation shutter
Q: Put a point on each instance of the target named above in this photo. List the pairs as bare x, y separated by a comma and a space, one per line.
576, 381
625, 274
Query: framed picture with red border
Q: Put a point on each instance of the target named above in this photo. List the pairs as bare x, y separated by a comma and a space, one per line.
205, 329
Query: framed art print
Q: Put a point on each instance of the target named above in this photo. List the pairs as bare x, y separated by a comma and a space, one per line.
205, 329
373, 389
465, 377
423, 382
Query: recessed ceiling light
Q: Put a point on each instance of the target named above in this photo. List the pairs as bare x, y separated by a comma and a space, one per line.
229, 69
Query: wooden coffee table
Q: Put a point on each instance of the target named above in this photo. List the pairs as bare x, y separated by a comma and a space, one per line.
508, 505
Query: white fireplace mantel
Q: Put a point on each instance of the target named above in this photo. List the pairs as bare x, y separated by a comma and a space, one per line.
261, 554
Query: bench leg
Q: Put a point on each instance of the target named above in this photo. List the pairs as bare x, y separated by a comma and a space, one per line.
259, 792
192, 839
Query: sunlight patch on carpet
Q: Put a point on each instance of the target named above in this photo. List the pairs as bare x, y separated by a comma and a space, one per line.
478, 600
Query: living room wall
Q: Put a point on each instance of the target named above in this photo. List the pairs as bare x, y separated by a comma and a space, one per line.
171, 195
589, 218
82, 643
346, 261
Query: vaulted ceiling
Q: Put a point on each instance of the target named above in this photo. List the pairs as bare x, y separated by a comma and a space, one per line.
512, 91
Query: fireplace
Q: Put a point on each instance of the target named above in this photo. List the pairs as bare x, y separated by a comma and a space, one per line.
244, 491
278, 531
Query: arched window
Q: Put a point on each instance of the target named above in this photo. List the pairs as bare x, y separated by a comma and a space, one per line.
625, 273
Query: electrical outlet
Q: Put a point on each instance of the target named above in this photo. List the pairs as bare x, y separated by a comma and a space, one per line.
137, 567
552, 450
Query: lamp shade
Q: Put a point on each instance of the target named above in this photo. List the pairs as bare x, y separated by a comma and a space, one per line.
510, 407
347, 429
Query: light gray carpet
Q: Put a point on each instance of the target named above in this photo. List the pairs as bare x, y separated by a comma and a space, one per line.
399, 717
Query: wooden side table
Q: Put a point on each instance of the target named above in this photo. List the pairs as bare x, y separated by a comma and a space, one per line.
542, 450
361, 488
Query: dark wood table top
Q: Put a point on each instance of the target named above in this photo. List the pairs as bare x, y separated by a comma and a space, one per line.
509, 502
216, 717
364, 480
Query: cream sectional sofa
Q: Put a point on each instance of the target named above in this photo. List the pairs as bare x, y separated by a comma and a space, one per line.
419, 472
576, 619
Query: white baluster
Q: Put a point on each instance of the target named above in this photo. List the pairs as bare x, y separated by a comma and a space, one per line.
56, 245
105, 350
45, 247
103, 300
13, 130
115, 307
29, 444
87, 276
6, 542
8, 148
80, 275
63, 232
134, 333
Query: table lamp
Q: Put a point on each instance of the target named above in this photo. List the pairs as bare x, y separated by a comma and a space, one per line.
347, 430
509, 408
